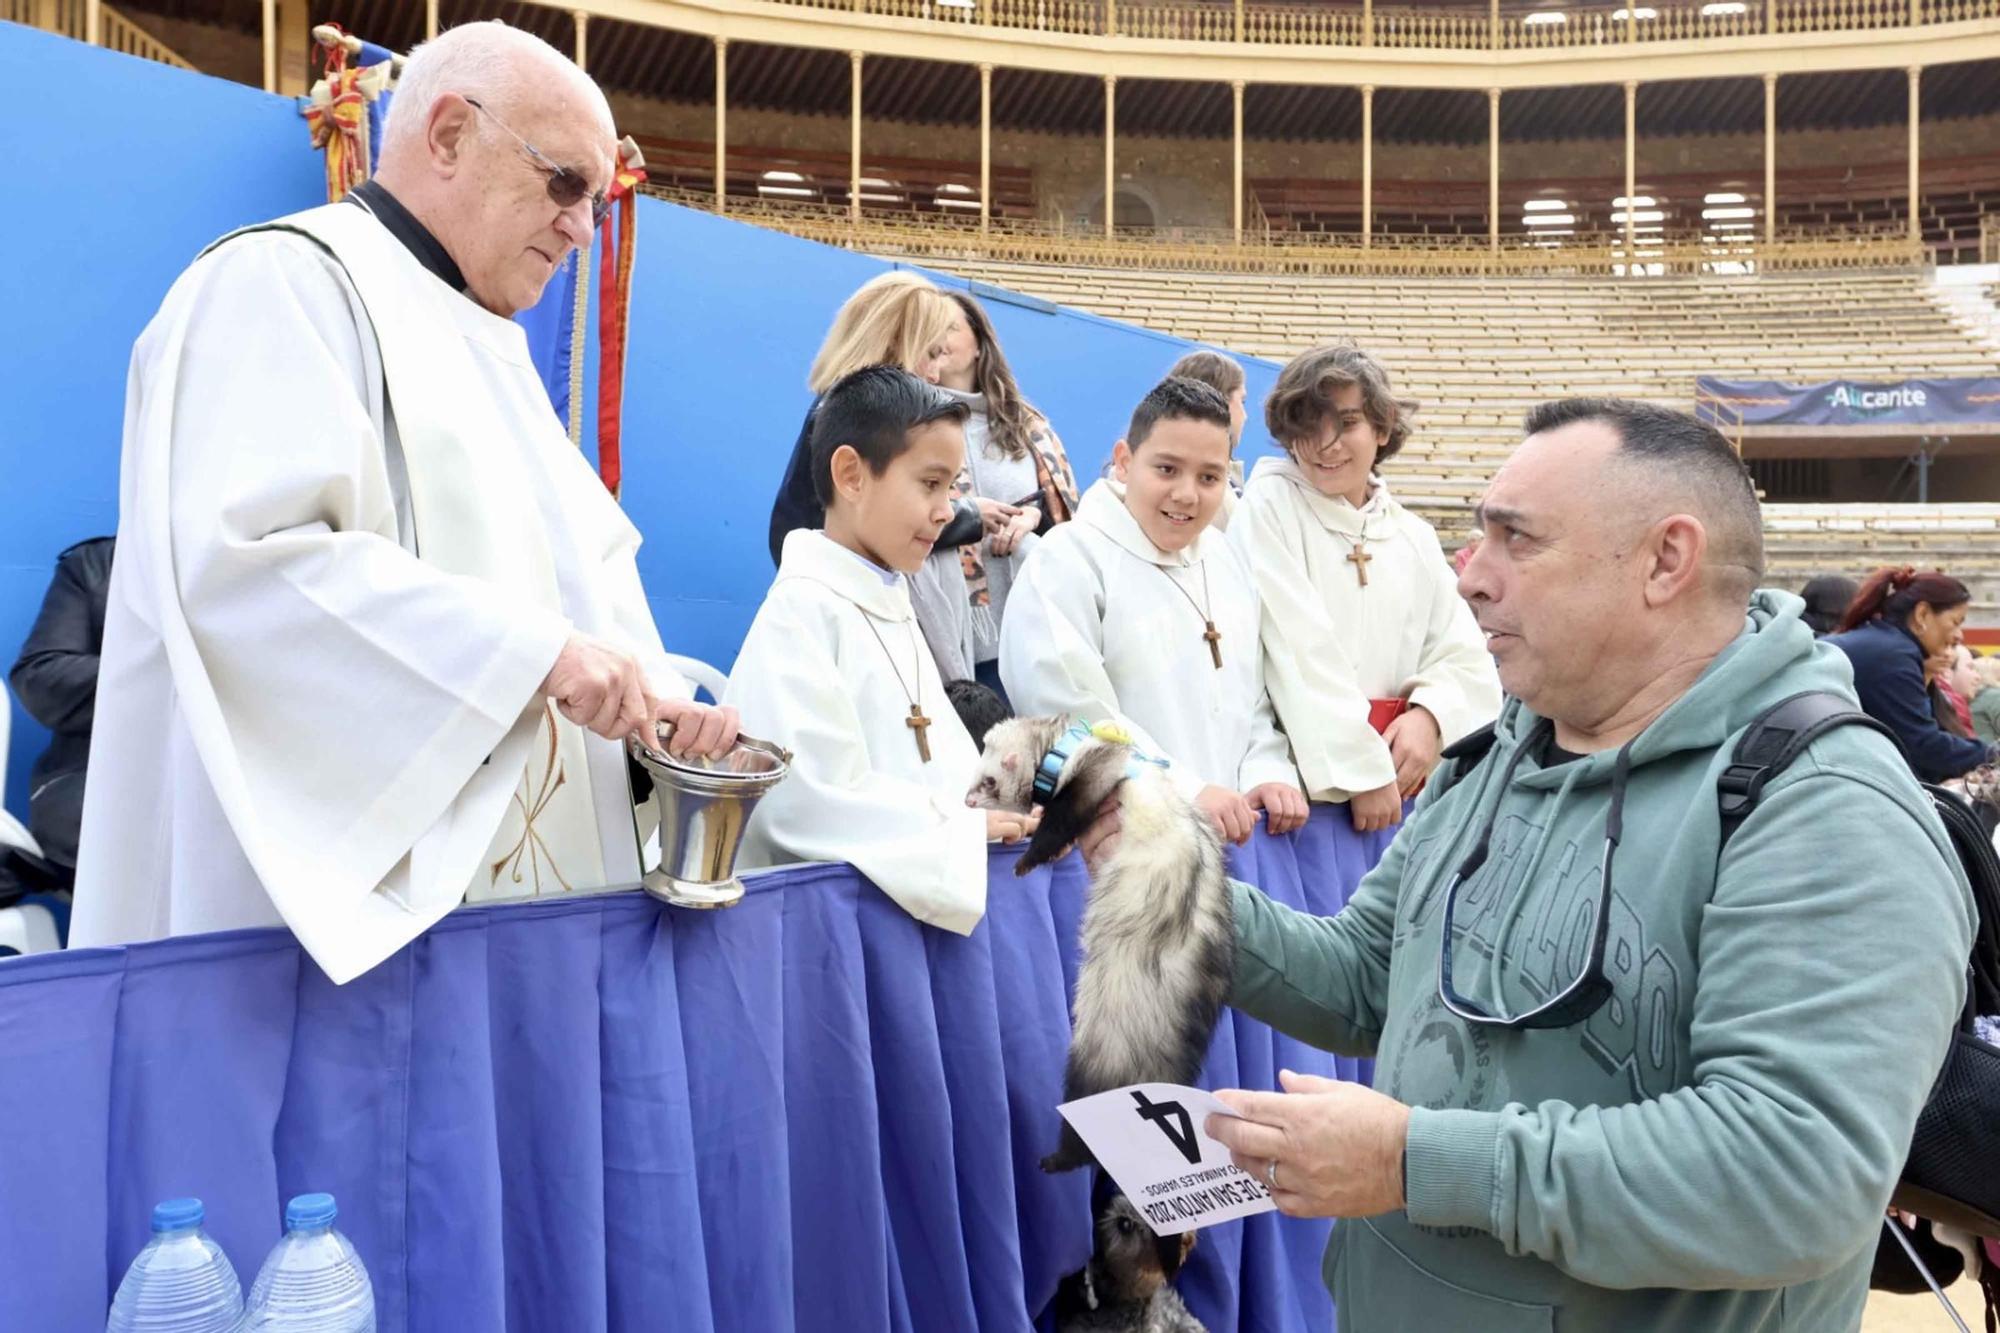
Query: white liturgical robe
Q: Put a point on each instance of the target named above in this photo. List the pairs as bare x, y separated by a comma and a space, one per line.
1332, 644
830, 669
1106, 627
353, 539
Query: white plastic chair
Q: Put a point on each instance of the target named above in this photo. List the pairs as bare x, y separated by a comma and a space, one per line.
701, 673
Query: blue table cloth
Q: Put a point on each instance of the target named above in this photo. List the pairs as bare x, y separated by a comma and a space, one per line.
804, 1113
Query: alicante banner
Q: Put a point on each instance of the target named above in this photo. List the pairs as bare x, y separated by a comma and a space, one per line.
1850, 403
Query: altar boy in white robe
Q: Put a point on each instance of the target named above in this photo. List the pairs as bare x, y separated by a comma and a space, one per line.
1373, 660
375, 634
835, 670
1138, 613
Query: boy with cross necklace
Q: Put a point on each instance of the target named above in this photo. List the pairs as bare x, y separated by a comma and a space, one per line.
835, 670
1137, 613
1373, 660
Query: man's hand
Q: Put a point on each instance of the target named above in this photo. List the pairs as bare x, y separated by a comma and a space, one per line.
600, 688
698, 729
1018, 529
1228, 811
1375, 810
1011, 825
1413, 745
1284, 805
1099, 842
1338, 1146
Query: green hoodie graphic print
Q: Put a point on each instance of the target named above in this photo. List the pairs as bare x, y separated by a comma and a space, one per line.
1711, 1150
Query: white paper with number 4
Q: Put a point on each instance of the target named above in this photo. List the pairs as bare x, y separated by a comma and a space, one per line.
1149, 1138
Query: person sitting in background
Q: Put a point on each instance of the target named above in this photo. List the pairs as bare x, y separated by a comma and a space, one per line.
1954, 683
55, 677
1897, 620
835, 670
1826, 599
1986, 699
1136, 614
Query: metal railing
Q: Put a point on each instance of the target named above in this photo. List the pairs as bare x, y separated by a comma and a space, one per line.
1040, 241
1463, 28
71, 18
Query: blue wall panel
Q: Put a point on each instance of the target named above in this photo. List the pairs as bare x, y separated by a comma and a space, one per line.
132, 167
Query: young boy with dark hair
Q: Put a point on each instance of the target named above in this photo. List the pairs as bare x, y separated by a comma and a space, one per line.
1137, 613
835, 670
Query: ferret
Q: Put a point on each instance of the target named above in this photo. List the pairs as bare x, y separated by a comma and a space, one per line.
1158, 936
1125, 1286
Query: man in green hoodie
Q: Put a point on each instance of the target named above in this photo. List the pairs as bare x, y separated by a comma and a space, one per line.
1696, 1127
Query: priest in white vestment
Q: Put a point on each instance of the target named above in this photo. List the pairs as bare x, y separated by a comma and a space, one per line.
836, 670
1361, 608
375, 634
1139, 613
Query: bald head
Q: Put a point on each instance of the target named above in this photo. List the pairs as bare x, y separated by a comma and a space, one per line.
493, 63
1664, 463
490, 132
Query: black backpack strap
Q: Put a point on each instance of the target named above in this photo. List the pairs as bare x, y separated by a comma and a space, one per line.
1466, 753
1774, 738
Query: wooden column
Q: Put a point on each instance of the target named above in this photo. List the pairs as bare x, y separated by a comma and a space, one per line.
722, 124
1631, 169
1916, 111
1368, 22
1493, 170
1493, 24
1770, 158
854, 144
1110, 154
985, 147
1367, 165
270, 8
93, 22
582, 39
1239, 20
1236, 203
430, 19
1770, 15
1110, 18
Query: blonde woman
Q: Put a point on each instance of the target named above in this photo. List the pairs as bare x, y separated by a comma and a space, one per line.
897, 318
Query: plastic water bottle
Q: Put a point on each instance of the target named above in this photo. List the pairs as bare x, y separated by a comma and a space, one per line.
181, 1282
313, 1282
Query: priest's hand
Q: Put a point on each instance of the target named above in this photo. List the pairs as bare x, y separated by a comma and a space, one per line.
1338, 1147
1414, 744
698, 729
1284, 806
1228, 811
599, 687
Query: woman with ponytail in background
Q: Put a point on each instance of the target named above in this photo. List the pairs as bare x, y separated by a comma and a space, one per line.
1899, 619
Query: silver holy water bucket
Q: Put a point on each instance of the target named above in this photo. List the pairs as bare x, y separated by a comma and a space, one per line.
704, 805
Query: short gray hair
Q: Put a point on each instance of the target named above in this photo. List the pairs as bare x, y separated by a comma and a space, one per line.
491, 61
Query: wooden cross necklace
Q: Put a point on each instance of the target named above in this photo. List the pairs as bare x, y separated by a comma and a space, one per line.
1359, 556
1208, 629
916, 721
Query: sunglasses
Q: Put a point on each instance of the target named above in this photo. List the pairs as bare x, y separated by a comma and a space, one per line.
566, 187
1587, 993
